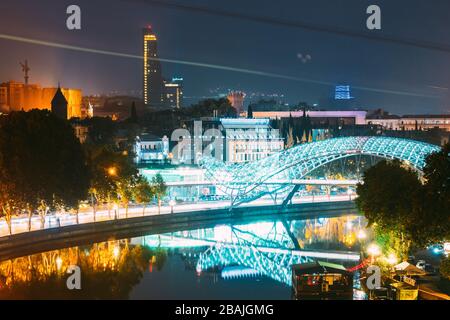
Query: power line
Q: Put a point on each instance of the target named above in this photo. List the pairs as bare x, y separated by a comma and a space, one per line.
300, 25
203, 65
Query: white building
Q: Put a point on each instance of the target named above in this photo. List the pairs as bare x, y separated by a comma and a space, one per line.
250, 139
151, 149
230, 140
412, 122
351, 116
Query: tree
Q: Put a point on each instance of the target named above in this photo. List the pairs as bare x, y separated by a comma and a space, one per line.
101, 130
250, 112
9, 203
412, 210
125, 187
41, 158
290, 139
113, 176
102, 165
159, 189
143, 192
434, 225
445, 268
133, 113
388, 197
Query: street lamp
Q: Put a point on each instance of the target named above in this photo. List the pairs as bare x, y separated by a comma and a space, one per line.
116, 252
361, 235
392, 259
373, 250
116, 207
350, 192
112, 171
59, 263
172, 204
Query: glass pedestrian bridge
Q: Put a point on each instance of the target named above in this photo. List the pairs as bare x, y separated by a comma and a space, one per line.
249, 181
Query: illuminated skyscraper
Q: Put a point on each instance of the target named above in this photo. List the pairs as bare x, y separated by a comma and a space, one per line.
153, 82
174, 93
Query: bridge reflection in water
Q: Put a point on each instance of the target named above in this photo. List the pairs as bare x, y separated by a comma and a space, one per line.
115, 269
265, 248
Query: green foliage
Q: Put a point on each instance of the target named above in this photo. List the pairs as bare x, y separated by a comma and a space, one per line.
143, 191
394, 198
159, 186
41, 161
445, 268
101, 130
436, 196
250, 112
133, 113
113, 175
387, 195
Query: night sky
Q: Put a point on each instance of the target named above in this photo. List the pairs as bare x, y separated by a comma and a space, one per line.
116, 25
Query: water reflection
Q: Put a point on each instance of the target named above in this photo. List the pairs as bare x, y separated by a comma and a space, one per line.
114, 269
267, 248
109, 271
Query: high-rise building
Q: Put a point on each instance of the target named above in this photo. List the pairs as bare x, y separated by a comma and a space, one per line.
153, 82
173, 93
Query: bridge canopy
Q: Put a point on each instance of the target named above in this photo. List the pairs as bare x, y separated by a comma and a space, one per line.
252, 180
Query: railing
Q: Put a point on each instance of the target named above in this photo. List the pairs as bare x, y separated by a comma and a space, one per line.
21, 224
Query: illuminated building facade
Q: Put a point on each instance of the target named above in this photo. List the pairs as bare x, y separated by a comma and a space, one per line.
151, 149
411, 122
173, 93
342, 93
229, 140
249, 140
16, 96
153, 82
330, 117
73, 96
3, 99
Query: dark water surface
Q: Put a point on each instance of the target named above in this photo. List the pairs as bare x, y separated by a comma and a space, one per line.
250, 261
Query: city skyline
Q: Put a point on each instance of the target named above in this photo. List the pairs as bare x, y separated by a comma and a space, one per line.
399, 87
243, 150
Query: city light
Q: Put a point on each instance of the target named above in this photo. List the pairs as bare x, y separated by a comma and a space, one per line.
116, 252
112, 171
373, 250
172, 203
392, 259
361, 235
59, 263
280, 190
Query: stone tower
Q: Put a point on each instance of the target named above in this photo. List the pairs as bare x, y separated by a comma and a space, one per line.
59, 104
